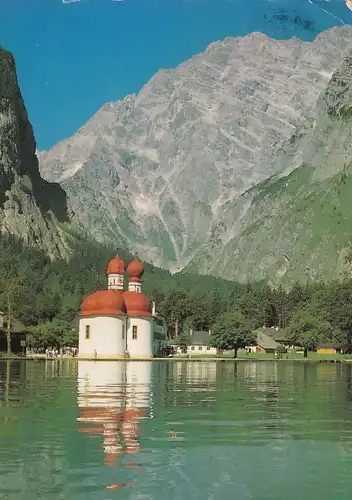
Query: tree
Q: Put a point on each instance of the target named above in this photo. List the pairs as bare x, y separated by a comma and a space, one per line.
297, 297
232, 331
309, 331
183, 342
280, 297
198, 308
269, 312
335, 301
174, 308
281, 349
248, 304
53, 334
12, 292
47, 306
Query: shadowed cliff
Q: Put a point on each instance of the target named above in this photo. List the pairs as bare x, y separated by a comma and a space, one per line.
30, 207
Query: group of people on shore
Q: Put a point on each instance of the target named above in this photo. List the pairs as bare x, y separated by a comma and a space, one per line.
66, 351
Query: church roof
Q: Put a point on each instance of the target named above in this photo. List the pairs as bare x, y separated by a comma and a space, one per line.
137, 304
135, 269
116, 266
119, 301
104, 302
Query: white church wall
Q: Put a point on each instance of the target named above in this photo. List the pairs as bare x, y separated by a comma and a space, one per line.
140, 337
102, 337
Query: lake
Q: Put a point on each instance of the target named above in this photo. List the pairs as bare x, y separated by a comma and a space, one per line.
172, 430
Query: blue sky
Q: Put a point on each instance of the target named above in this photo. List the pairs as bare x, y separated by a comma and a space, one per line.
74, 57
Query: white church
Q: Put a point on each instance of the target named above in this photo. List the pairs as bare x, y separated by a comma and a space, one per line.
118, 323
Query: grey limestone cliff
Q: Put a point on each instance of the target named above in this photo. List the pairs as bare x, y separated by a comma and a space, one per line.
167, 172
30, 207
297, 225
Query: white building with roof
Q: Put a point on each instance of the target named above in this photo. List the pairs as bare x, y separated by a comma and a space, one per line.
199, 343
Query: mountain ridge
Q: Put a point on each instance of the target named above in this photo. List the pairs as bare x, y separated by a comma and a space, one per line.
166, 172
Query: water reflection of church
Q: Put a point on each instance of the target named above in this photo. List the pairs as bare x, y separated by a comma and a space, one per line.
112, 398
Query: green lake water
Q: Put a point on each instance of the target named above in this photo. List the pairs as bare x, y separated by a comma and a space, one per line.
174, 430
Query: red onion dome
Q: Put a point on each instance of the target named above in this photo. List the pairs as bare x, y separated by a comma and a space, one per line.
116, 266
137, 304
135, 269
104, 302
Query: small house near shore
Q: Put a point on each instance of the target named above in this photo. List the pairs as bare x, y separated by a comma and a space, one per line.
279, 335
276, 333
199, 343
264, 343
18, 335
329, 349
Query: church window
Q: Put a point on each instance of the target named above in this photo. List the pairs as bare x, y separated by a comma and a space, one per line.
87, 332
134, 332
200, 348
123, 331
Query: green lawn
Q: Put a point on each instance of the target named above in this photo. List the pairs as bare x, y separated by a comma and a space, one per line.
264, 356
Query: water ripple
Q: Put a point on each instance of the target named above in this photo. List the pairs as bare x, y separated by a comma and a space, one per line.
174, 430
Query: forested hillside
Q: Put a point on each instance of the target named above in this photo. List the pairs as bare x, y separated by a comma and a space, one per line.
49, 294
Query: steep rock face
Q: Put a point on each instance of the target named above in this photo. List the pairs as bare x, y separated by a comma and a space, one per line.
30, 207
165, 172
298, 225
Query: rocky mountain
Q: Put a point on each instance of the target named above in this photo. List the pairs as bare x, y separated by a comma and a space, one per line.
190, 173
297, 224
30, 207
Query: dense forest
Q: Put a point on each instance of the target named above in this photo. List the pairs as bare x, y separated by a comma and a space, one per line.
46, 296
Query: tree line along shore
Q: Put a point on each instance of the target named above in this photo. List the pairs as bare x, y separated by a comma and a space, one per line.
46, 296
